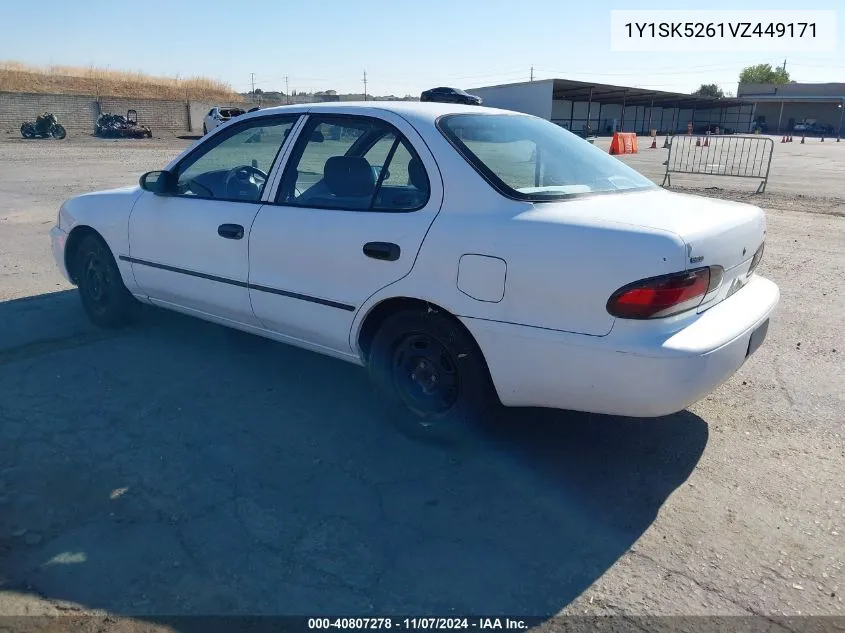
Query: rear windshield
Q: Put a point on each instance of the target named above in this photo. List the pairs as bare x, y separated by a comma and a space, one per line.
232, 112
529, 158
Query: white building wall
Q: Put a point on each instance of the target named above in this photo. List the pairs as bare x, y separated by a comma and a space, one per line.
560, 110
580, 110
531, 98
611, 114
634, 118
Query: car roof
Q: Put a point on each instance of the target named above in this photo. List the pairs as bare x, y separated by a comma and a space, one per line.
421, 111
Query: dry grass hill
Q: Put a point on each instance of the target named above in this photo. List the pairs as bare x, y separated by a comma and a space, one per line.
73, 80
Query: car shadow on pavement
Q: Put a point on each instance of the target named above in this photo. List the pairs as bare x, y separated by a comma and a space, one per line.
181, 468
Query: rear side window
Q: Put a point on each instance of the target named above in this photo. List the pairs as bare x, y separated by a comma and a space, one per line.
356, 164
528, 158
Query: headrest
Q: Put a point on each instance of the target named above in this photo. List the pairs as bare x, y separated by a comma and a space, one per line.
416, 174
349, 176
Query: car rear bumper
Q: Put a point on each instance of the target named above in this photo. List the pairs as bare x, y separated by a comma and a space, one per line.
58, 239
632, 371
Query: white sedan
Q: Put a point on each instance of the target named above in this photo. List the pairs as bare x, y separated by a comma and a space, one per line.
217, 116
468, 257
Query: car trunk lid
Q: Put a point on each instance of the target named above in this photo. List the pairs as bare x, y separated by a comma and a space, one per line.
715, 232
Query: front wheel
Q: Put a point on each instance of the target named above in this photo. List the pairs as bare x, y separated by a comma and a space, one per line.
59, 131
432, 376
105, 299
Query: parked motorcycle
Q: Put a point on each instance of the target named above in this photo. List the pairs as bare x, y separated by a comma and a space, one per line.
119, 126
45, 126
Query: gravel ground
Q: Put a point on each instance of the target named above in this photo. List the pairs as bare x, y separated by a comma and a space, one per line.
179, 468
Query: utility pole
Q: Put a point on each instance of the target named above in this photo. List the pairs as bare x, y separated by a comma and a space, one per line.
784, 65
532, 74
365, 85
252, 80
287, 90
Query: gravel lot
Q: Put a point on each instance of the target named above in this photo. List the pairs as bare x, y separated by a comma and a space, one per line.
180, 468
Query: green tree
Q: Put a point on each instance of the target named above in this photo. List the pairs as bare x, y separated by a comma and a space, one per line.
763, 74
709, 90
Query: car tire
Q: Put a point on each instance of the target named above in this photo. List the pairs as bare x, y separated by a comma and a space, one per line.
432, 377
105, 298
204, 129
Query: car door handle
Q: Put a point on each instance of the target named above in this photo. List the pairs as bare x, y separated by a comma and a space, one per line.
382, 250
230, 231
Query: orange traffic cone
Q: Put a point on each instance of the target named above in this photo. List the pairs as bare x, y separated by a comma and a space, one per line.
706, 141
653, 143
802, 139
822, 139
783, 139
698, 141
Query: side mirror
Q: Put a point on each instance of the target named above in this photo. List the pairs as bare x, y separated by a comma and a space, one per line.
161, 183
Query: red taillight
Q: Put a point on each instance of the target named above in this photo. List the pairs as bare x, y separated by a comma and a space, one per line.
665, 295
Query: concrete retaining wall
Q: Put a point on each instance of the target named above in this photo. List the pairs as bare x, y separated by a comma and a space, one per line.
78, 113
74, 112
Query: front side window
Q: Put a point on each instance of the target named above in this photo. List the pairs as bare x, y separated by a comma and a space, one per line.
529, 158
354, 163
235, 166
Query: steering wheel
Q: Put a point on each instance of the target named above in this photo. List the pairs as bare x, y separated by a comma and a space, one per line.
244, 181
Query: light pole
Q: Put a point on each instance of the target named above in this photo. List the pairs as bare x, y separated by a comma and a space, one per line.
841, 107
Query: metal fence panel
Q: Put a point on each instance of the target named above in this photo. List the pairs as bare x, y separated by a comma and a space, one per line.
729, 155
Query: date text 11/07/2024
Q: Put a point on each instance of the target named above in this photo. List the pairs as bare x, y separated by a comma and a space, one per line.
421, 623
721, 29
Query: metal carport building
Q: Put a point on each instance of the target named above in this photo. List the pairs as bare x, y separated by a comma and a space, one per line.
609, 108
784, 106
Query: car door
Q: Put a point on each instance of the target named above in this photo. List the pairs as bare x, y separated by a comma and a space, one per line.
190, 249
352, 208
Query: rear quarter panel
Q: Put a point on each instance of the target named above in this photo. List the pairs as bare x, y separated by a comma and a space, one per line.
559, 274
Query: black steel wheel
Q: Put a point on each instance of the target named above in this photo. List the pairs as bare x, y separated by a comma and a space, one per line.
425, 374
431, 376
105, 299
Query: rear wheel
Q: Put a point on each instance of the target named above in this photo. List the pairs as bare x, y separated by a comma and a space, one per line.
28, 130
431, 376
105, 299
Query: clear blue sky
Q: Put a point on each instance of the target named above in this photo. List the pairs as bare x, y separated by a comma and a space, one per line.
405, 46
